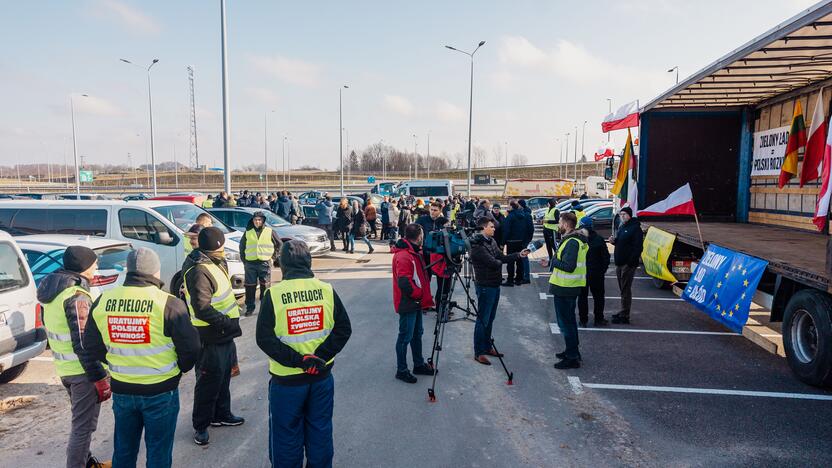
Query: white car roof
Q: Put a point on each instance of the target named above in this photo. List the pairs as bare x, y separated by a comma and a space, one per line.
43, 203
52, 241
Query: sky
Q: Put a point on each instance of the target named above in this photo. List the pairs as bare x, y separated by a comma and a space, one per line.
546, 67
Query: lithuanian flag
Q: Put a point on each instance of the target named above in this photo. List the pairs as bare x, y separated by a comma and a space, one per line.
797, 139
622, 180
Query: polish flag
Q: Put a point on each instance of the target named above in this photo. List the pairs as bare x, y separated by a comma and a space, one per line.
816, 144
680, 202
822, 206
603, 152
625, 117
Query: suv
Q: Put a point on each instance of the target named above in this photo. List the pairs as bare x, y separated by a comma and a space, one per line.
22, 335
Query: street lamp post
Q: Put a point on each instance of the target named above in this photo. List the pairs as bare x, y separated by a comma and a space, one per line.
566, 155
341, 135
75, 147
427, 161
150, 112
470, 105
506, 153
576, 155
266, 148
226, 124
677, 72
416, 156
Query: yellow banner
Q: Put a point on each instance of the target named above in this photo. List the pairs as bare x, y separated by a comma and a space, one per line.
656, 252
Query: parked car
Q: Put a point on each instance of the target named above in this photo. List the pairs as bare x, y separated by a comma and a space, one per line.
238, 218
136, 196
83, 196
22, 335
154, 224
424, 189
602, 216
38, 196
45, 254
310, 197
195, 198
384, 188
535, 203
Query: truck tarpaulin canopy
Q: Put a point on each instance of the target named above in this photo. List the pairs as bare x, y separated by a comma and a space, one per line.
792, 55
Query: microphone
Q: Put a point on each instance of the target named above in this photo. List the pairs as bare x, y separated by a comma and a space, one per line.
534, 245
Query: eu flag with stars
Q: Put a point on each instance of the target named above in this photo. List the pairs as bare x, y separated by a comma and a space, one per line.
723, 284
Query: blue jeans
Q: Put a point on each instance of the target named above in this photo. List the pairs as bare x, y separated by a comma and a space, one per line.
410, 332
351, 242
565, 312
526, 269
300, 417
156, 415
487, 299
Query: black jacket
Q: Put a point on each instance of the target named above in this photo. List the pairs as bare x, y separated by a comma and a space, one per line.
628, 243
568, 261
201, 286
282, 353
488, 260
77, 311
177, 327
358, 228
517, 227
276, 242
429, 224
343, 219
598, 256
498, 233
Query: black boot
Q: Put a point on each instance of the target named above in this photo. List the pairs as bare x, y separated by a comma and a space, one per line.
250, 292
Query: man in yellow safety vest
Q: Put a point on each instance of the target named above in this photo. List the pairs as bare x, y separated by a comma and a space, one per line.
65, 295
565, 284
146, 337
550, 226
578, 209
302, 325
208, 202
216, 315
259, 248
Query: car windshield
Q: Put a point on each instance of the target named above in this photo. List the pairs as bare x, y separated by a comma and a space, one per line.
274, 220
113, 257
12, 270
184, 216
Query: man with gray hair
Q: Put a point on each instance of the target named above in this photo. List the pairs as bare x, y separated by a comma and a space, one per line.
146, 338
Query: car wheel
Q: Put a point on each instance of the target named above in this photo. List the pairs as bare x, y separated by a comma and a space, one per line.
807, 337
10, 374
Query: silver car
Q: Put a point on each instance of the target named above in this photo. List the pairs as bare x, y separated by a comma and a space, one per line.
238, 218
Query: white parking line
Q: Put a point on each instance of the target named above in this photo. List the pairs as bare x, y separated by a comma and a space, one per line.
544, 296
577, 387
556, 331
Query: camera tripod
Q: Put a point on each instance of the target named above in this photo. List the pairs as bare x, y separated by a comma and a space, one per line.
443, 310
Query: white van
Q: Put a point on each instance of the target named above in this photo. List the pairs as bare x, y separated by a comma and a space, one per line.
22, 336
597, 187
155, 224
424, 189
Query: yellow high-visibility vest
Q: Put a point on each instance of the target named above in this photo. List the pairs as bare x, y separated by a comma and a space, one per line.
577, 278
549, 221
222, 300
131, 320
259, 247
304, 315
208, 203
579, 214
57, 333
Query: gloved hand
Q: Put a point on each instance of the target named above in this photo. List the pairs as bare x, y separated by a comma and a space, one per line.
312, 364
102, 387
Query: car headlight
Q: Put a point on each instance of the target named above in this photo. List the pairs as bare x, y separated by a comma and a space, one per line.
232, 256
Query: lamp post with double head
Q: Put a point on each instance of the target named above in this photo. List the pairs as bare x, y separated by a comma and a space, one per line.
341, 135
150, 113
470, 105
74, 147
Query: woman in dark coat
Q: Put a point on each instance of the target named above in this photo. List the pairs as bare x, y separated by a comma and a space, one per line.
343, 222
405, 217
359, 228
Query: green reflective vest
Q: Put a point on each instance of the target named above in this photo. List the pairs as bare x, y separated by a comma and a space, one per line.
304, 314
579, 214
550, 221
259, 247
222, 300
57, 333
208, 203
131, 320
577, 278
187, 245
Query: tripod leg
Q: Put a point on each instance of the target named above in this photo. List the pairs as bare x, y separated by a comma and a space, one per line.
510, 375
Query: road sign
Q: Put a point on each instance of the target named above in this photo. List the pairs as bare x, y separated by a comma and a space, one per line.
371, 180
85, 176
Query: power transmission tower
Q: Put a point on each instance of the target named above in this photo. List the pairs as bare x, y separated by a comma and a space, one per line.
194, 155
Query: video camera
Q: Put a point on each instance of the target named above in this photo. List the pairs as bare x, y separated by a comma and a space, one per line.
450, 242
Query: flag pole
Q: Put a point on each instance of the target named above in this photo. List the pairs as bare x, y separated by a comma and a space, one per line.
701, 240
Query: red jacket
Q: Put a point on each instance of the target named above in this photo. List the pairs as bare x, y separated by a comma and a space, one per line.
440, 265
411, 287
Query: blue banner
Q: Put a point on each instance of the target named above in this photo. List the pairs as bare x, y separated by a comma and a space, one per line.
723, 285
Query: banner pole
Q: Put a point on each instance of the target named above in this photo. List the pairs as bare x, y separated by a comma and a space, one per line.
701, 240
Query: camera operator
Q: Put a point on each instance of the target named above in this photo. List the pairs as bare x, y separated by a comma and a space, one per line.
488, 260
411, 295
434, 221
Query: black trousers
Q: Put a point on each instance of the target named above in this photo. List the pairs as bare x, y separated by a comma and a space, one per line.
594, 285
549, 237
515, 268
212, 395
443, 285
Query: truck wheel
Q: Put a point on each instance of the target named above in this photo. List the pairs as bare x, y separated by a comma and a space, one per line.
807, 337
10, 374
177, 286
660, 283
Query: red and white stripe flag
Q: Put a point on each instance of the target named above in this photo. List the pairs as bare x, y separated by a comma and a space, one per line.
625, 117
680, 202
815, 147
822, 205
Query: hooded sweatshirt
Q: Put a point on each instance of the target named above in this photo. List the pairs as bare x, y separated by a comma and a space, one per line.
177, 326
568, 261
201, 286
297, 267
276, 242
77, 311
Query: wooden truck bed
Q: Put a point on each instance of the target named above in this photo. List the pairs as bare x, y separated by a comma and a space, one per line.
795, 254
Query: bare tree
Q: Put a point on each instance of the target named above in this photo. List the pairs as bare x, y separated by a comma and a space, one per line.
478, 155
458, 159
519, 160
497, 153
